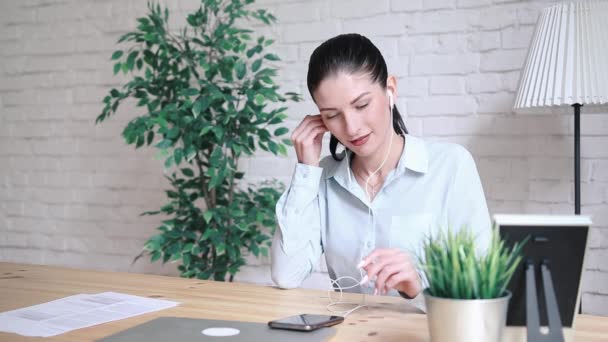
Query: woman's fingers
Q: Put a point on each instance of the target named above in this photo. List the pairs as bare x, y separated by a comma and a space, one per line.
306, 140
396, 279
376, 260
376, 254
308, 119
390, 268
304, 136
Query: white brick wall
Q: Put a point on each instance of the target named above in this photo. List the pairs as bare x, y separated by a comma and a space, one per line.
71, 192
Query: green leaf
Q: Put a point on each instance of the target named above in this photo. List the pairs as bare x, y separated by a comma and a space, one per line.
255, 250
219, 132
207, 234
226, 45
187, 247
117, 67
131, 59
250, 53
200, 105
207, 215
273, 147
173, 133
190, 92
196, 249
150, 137
188, 172
256, 65
117, 54
165, 143
220, 248
272, 57
283, 150
176, 256
281, 131
151, 37
242, 226
259, 99
232, 254
155, 256
205, 130
169, 162
240, 69
177, 155
190, 153
186, 258
215, 155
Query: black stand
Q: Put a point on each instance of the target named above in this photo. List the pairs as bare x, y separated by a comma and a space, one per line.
555, 333
577, 164
577, 158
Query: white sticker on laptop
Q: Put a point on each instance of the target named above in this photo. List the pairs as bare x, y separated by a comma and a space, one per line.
220, 332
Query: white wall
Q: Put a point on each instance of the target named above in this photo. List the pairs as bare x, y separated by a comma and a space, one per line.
71, 192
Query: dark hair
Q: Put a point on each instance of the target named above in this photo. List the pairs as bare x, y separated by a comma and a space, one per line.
350, 53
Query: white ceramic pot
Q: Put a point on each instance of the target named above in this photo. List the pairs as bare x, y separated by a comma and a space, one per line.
466, 320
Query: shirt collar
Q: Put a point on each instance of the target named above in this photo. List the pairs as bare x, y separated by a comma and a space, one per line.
414, 157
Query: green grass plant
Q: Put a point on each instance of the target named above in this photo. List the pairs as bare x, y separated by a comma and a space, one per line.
455, 268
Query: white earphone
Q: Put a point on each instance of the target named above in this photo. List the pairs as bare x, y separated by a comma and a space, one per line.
335, 284
391, 105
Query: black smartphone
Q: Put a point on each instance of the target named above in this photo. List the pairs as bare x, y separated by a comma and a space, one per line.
305, 322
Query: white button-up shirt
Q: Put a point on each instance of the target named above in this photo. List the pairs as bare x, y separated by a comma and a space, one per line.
325, 210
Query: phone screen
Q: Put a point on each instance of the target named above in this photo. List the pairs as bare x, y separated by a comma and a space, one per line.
306, 322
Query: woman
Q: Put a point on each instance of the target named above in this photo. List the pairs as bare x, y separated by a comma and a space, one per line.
370, 206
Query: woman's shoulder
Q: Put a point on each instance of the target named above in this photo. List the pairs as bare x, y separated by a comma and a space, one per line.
447, 153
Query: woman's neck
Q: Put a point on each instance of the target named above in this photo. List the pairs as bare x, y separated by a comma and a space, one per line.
365, 166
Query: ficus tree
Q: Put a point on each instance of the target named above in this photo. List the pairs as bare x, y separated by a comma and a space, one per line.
208, 97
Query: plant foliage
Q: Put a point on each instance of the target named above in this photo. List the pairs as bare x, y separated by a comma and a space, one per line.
454, 269
209, 97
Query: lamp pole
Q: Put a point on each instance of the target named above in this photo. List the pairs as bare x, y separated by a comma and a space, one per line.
577, 158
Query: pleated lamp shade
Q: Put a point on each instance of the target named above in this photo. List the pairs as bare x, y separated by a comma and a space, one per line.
567, 61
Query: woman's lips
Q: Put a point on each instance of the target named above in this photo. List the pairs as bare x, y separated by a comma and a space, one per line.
360, 141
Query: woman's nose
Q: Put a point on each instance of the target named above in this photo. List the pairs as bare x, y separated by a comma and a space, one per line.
352, 124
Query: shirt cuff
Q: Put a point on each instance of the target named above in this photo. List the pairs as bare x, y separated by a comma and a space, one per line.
307, 175
299, 221
417, 302
304, 187
404, 295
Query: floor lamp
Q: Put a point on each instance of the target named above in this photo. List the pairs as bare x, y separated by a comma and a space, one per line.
567, 65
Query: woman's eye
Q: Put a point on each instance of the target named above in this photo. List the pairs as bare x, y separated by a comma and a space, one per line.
362, 106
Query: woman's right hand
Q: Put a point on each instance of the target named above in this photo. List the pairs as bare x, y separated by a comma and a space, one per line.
307, 139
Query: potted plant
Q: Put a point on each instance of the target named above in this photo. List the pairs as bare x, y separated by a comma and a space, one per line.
467, 297
208, 98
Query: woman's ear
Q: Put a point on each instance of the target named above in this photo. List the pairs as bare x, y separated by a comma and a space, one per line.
391, 88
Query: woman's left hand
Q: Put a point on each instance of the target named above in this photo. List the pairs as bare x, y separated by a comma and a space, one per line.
393, 269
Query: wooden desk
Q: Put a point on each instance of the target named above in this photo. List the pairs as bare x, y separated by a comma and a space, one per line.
388, 318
